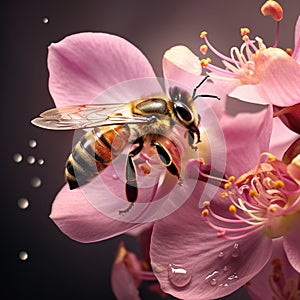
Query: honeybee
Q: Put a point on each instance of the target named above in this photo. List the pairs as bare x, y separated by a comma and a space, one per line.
114, 126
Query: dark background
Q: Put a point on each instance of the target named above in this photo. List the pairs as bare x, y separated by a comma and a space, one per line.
57, 267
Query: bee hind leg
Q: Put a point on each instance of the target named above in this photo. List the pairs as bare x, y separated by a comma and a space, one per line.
130, 175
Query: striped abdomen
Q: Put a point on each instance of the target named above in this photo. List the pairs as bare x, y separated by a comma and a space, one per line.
94, 152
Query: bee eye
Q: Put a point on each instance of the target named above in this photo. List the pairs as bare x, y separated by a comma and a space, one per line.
183, 112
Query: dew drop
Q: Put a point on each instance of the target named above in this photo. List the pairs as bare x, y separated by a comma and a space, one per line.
23, 203
178, 275
36, 182
225, 268
232, 277
236, 250
41, 161
31, 159
23, 255
212, 275
221, 254
17, 157
213, 282
115, 177
32, 143
45, 20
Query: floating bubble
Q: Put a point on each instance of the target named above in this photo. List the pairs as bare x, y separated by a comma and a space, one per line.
23, 255
23, 203
41, 161
221, 254
32, 143
36, 182
45, 20
31, 159
17, 157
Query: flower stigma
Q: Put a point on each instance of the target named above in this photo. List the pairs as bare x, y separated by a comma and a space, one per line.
267, 199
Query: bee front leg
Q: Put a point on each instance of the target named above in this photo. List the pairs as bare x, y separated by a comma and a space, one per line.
191, 139
130, 175
166, 159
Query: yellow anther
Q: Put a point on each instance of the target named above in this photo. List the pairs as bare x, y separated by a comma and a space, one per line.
278, 184
271, 157
245, 38
244, 31
289, 51
272, 8
227, 185
206, 203
203, 34
223, 195
231, 178
272, 209
253, 193
232, 209
205, 212
203, 49
205, 62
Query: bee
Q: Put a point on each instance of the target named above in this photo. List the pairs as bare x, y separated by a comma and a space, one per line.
114, 126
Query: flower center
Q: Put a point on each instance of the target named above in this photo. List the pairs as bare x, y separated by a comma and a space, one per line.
266, 198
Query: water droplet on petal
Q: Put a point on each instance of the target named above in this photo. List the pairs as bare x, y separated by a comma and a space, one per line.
178, 275
36, 182
225, 268
45, 20
232, 277
17, 157
31, 159
23, 255
236, 250
221, 254
213, 282
41, 161
23, 203
32, 143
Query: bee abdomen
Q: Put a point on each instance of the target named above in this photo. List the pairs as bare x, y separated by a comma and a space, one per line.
93, 153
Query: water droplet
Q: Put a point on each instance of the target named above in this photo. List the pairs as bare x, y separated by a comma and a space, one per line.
32, 143
178, 275
213, 282
23, 255
221, 254
36, 182
115, 177
23, 203
45, 20
233, 276
212, 275
41, 161
17, 157
31, 159
236, 250
225, 269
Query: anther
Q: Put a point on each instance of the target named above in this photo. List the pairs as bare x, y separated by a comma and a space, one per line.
231, 178
244, 31
227, 185
206, 203
289, 51
245, 38
205, 212
278, 184
205, 62
232, 209
203, 49
203, 34
272, 209
272, 8
223, 195
271, 157
253, 193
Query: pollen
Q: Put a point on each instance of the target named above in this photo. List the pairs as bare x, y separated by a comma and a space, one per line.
232, 209
227, 185
245, 38
289, 51
231, 178
244, 31
205, 62
272, 208
223, 195
278, 184
203, 34
272, 8
205, 212
271, 157
203, 49
206, 203
253, 193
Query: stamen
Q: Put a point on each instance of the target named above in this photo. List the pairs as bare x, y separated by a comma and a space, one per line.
232, 209
205, 62
272, 8
244, 31
205, 212
203, 49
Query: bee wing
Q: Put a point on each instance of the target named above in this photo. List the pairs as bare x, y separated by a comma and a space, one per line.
86, 116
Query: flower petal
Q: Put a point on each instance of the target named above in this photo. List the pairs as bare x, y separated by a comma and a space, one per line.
296, 52
259, 287
243, 131
186, 240
83, 65
291, 244
78, 219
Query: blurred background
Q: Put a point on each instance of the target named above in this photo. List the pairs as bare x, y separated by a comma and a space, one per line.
38, 261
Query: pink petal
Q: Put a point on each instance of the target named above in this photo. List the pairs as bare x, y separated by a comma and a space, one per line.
259, 287
247, 135
291, 244
78, 219
296, 52
83, 65
185, 239
279, 75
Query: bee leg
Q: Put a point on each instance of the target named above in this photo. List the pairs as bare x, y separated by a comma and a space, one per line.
130, 175
191, 139
166, 159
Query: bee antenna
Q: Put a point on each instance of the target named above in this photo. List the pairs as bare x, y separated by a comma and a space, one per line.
194, 96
